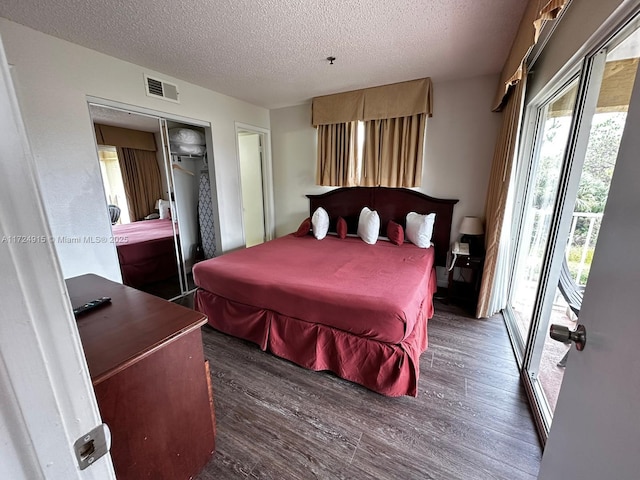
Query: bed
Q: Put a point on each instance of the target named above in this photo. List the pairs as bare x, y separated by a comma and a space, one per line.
357, 310
146, 251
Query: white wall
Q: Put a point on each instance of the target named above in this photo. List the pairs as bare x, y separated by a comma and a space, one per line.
460, 140
53, 79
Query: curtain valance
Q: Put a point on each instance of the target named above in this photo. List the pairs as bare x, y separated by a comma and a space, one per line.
536, 13
396, 100
124, 137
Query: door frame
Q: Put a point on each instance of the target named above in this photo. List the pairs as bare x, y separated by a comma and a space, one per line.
48, 400
267, 177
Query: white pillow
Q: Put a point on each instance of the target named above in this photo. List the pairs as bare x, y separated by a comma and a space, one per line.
420, 228
163, 208
320, 223
369, 225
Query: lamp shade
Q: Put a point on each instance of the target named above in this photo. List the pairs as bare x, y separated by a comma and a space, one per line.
471, 226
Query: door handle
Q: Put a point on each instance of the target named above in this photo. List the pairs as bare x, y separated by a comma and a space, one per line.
564, 335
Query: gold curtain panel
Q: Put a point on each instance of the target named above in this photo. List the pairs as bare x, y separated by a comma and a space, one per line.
142, 181
499, 183
396, 100
336, 164
125, 138
393, 151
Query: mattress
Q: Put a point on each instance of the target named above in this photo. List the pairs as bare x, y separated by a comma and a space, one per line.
376, 292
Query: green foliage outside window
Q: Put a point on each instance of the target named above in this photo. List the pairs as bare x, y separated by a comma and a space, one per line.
593, 189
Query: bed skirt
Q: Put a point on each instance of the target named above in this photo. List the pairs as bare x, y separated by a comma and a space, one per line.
389, 369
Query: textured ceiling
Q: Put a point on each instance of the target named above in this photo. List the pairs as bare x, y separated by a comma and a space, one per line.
272, 52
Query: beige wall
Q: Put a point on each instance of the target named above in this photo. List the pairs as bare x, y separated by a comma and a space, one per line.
53, 79
293, 147
460, 140
461, 137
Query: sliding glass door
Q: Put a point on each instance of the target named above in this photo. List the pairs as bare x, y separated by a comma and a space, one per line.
541, 192
571, 147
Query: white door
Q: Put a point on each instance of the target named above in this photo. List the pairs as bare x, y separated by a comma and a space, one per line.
251, 175
596, 428
46, 397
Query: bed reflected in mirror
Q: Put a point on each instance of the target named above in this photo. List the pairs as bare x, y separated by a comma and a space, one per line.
138, 192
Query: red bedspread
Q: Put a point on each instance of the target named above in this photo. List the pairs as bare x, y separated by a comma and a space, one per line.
144, 239
316, 303
371, 291
146, 251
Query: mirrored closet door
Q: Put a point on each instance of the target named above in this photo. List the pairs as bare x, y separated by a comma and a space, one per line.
151, 171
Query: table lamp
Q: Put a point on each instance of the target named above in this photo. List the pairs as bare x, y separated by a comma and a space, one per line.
472, 232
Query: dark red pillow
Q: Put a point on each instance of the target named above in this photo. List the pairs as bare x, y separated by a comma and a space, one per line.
395, 232
341, 227
304, 228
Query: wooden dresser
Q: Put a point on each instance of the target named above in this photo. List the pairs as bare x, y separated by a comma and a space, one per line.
151, 381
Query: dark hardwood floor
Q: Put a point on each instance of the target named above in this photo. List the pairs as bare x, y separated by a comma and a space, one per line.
170, 288
470, 420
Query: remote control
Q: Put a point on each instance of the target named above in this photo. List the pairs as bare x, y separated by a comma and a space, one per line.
91, 305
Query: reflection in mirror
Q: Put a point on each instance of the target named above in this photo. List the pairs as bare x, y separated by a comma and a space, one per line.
138, 201
191, 187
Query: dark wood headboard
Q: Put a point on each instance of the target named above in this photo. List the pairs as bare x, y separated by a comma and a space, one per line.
391, 204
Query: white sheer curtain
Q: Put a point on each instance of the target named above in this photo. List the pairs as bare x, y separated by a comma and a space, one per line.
500, 290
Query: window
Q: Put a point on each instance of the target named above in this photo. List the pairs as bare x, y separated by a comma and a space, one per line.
373, 137
112, 181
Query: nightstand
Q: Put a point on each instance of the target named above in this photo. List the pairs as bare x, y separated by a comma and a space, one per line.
464, 280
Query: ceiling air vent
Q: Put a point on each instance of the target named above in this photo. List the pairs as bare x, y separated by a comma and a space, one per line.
162, 89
